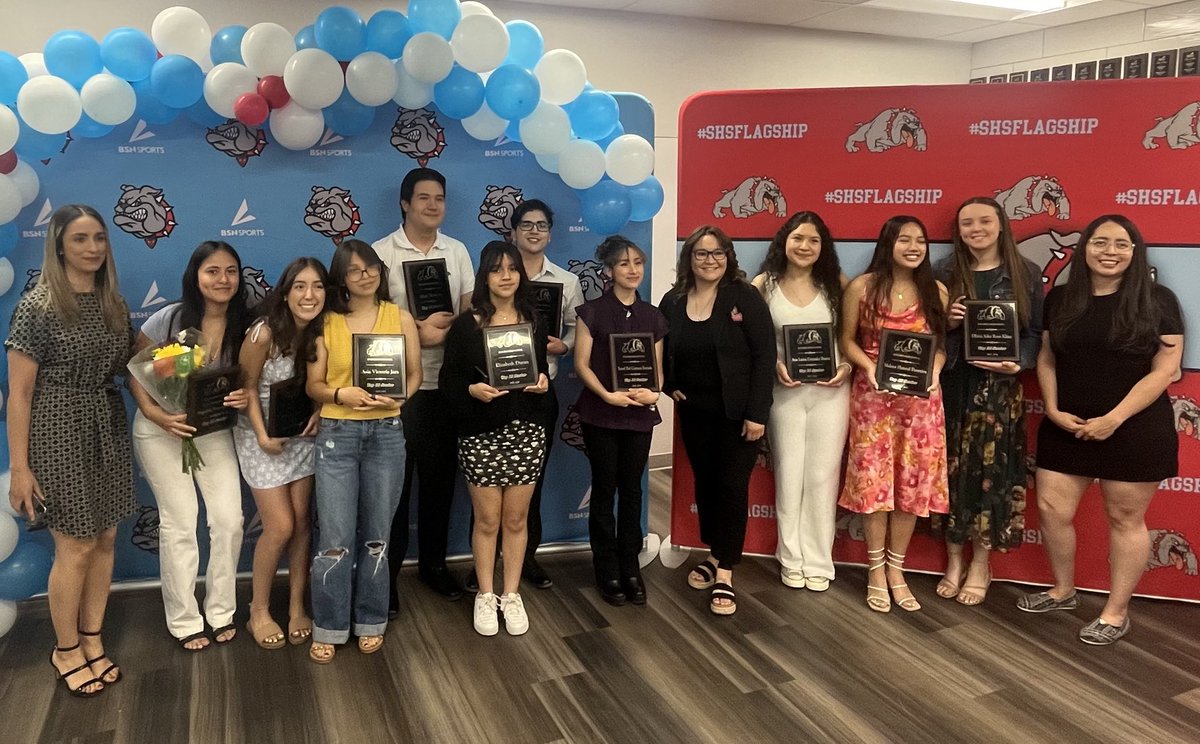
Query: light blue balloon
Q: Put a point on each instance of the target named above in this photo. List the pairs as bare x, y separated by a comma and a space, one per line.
513, 130
202, 114
9, 235
149, 108
89, 128
460, 94
306, 38
348, 117
12, 76
617, 131
33, 145
73, 56
227, 45
341, 32
25, 571
387, 33
177, 81
525, 44
646, 199
606, 207
594, 115
437, 16
512, 92
128, 53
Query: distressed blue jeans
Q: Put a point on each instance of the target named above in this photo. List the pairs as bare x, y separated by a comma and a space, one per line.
360, 472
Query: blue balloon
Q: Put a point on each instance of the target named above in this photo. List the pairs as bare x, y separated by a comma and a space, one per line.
149, 109
438, 16
177, 81
33, 145
25, 571
4, 463
89, 128
12, 76
306, 38
460, 94
512, 92
525, 44
617, 131
9, 235
227, 45
646, 199
202, 114
341, 32
73, 56
348, 117
593, 115
606, 207
387, 33
513, 130
128, 53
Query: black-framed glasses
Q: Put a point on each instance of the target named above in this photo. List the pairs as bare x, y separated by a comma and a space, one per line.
368, 273
718, 255
527, 226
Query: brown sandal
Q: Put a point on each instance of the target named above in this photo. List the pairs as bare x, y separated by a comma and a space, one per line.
272, 636
322, 653
299, 630
370, 644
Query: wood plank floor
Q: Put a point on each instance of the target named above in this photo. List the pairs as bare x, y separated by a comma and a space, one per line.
790, 666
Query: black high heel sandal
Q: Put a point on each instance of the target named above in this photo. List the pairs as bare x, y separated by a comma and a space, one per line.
103, 676
78, 690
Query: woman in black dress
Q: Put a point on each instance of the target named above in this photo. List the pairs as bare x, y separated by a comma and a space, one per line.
1113, 342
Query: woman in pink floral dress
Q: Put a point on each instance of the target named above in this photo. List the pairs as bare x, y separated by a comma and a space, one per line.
897, 449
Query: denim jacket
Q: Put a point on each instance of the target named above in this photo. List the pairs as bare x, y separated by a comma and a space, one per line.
1001, 289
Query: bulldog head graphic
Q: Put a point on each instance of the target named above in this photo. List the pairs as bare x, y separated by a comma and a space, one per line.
418, 135
237, 140
496, 211
143, 212
332, 212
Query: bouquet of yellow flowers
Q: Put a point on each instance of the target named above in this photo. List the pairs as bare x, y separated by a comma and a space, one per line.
163, 371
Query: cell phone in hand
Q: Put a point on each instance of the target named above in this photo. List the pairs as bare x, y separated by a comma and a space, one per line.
38, 522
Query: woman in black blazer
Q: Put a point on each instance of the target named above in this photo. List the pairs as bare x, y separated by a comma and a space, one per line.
719, 367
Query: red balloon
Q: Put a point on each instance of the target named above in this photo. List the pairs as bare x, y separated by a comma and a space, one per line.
8, 162
251, 109
272, 88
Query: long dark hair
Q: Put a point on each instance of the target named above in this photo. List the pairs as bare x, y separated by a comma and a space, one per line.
191, 304
1010, 259
1135, 323
685, 278
490, 259
826, 271
338, 301
286, 338
882, 265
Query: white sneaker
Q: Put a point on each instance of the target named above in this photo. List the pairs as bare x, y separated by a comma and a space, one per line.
816, 583
792, 577
516, 621
487, 622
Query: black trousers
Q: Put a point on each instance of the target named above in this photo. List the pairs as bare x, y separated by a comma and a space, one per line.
431, 451
618, 459
721, 461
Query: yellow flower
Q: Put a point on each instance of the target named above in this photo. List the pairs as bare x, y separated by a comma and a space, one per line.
198, 356
171, 350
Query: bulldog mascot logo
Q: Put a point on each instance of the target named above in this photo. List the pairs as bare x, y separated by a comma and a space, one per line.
418, 135
1034, 195
571, 432
591, 277
496, 211
332, 212
1051, 251
145, 530
750, 197
32, 281
1170, 549
894, 127
1187, 416
237, 140
1180, 131
256, 285
143, 212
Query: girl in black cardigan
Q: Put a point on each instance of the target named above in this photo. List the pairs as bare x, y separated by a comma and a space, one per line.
719, 367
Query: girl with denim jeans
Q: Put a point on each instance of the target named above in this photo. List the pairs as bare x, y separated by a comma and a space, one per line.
360, 457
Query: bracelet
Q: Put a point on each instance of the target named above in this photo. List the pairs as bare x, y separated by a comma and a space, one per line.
336, 402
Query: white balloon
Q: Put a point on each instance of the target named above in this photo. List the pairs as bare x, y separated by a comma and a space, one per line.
547, 130
224, 83
371, 79
410, 92
7, 275
6, 476
549, 163
562, 76
10, 200
470, 7
35, 64
49, 104
480, 42
108, 99
629, 159
9, 534
25, 178
180, 30
8, 616
313, 78
266, 48
484, 124
296, 127
428, 57
581, 164
10, 129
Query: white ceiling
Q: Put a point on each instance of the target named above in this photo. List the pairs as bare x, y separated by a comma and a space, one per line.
909, 18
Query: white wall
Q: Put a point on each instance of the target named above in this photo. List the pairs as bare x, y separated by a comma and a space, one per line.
666, 59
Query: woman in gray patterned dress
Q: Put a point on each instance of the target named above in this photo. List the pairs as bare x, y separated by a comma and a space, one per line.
279, 471
67, 434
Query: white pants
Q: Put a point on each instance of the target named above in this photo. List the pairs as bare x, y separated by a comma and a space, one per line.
808, 428
178, 553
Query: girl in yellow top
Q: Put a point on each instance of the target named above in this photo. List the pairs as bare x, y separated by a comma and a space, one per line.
360, 456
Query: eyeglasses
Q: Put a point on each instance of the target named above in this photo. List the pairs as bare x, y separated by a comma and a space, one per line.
1100, 244
533, 226
368, 273
717, 255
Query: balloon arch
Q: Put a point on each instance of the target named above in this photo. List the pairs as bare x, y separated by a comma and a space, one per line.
496, 77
